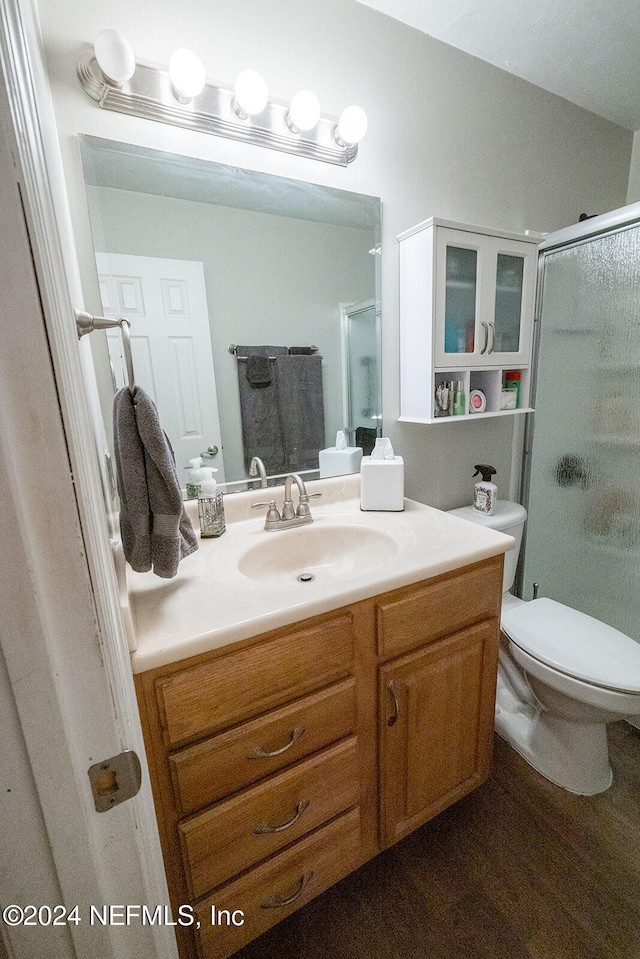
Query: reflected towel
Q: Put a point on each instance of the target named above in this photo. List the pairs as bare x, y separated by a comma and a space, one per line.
156, 531
261, 429
301, 407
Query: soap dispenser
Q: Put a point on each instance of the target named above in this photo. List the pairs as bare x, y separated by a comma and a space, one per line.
485, 493
210, 507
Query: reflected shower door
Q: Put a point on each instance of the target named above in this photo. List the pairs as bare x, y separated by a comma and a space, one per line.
361, 374
583, 531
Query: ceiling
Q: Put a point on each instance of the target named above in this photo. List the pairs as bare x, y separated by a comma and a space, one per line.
587, 51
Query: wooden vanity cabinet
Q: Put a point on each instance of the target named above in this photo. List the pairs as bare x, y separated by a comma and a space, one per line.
281, 763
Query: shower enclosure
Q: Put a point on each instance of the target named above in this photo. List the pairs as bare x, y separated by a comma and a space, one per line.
582, 460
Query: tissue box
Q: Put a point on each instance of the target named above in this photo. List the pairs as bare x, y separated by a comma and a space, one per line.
382, 484
335, 462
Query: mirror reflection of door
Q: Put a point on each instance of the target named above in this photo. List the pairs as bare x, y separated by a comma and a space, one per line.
166, 302
361, 370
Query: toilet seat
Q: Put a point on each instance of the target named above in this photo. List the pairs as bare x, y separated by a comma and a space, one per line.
575, 644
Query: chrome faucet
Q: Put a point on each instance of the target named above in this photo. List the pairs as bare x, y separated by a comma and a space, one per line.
289, 517
256, 468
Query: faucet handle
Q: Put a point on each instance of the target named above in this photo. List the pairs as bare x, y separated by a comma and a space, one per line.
303, 505
273, 516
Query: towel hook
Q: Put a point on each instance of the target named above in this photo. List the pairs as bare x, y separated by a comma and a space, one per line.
86, 323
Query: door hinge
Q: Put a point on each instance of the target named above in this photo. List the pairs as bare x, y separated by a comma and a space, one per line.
115, 780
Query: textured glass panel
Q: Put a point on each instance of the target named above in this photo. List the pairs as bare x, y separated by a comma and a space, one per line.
583, 531
363, 386
509, 275
460, 300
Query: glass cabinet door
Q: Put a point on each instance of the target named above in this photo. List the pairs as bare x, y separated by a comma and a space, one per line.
508, 306
461, 294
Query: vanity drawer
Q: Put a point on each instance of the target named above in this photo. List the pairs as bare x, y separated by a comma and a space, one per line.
278, 887
229, 689
239, 832
220, 766
415, 616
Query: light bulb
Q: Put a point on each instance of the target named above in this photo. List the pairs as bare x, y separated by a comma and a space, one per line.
304, 111
352, 125
251, 94
115, 57
187, 75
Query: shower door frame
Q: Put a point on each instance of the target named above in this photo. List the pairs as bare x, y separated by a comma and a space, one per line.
606, 224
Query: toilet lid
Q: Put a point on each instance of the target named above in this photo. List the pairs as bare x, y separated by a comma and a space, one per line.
575, 644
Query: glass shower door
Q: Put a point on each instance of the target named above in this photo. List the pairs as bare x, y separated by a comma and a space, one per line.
583, 529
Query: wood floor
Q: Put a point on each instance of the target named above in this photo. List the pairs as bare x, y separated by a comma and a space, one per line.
520, 869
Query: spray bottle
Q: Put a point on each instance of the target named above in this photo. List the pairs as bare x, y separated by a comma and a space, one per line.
485, 493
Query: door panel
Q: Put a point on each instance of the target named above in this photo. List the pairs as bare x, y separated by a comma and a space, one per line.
171, 346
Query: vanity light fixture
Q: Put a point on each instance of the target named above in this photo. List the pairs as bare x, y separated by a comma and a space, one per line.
115, 57
352, 125
183, 97
187, 75
250, 94
304, 112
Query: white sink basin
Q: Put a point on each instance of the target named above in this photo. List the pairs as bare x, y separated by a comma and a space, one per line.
312, 552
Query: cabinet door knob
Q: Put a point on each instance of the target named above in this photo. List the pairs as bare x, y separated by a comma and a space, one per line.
267, 827
391, 689
256, 752
274, 902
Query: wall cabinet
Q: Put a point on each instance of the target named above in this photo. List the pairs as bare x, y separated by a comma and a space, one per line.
280, 764
466, 315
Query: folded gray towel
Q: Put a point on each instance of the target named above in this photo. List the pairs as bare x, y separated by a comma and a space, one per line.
259, 371
156, 531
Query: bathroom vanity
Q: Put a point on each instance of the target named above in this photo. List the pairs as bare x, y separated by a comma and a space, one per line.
287, 748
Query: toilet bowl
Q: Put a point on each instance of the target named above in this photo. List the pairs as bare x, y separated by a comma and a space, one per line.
562, 676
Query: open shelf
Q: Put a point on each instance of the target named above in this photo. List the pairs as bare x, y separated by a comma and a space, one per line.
489, 382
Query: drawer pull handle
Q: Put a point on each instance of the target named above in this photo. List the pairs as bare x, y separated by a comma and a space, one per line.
391, 689
267, 827
256, 752
273, 902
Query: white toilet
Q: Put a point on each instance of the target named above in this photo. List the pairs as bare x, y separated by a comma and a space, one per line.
565, 676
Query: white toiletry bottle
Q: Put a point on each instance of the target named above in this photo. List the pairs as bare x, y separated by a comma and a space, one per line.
210, 507
485, 493
195, 475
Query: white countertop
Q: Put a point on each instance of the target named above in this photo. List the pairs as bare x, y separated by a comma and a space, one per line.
211, 603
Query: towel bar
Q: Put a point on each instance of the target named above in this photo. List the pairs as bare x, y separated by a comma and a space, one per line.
233, 349
86, 323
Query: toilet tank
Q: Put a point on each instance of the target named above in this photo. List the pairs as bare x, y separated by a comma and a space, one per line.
508, 518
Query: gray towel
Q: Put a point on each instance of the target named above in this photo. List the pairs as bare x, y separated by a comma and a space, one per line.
261, 430
259, 370
301, 407
156, 531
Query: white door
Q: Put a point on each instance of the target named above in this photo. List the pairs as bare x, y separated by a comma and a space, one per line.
62, 638
166, 302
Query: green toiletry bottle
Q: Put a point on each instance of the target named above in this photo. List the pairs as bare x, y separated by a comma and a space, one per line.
459, 400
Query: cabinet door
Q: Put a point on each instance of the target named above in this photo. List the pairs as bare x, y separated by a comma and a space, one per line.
436, 717
484, 300
458, 302
511, 266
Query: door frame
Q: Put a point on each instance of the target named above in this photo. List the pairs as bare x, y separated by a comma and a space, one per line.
63, 639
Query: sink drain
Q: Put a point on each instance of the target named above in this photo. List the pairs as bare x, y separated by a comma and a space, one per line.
305, 578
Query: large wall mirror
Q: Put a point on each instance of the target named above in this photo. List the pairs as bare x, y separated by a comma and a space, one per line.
202, 257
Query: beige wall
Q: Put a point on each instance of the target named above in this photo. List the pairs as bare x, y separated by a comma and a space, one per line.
448, 135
